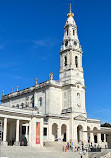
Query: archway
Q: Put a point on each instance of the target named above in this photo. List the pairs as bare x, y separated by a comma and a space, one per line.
54, 131
95, 135
63, 132
79, 133
88, 134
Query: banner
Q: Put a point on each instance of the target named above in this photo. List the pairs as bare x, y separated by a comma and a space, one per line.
37, 132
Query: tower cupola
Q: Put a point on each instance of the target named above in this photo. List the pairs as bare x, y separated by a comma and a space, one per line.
70, 39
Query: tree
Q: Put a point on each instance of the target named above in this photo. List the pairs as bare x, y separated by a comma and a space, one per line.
106, 125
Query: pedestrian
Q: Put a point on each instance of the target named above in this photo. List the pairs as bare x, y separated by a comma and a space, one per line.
63, 148
22, 143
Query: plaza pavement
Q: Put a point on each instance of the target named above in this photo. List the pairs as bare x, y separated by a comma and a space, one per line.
28, 152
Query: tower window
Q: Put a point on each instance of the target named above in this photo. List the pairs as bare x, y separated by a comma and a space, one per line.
76, 61
73, 32
67, 32
75, 43
66, 43
65, 60
40, 101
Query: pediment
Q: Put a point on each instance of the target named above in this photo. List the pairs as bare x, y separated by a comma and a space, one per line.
80, 117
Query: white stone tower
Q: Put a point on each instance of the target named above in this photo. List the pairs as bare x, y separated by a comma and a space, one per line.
71, 70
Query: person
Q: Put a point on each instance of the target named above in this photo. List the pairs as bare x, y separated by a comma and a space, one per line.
63, 148
22, 143
80, 153
75, 149
70, 145
84, 151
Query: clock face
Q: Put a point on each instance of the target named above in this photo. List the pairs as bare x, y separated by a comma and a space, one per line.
75, 43
66, 43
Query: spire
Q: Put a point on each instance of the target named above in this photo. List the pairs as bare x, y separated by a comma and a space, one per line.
11, 90
16, 88
2, 93
70, 14
36, 82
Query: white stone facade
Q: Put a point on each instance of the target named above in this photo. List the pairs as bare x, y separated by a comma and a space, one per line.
59, 106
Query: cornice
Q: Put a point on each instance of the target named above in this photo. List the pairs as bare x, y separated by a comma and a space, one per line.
73, 49
49, 83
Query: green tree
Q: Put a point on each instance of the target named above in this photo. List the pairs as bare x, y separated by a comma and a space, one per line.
106, 125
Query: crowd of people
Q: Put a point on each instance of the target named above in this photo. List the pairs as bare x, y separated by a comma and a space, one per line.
81, 148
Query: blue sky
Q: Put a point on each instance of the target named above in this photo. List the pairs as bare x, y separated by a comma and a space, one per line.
31, 33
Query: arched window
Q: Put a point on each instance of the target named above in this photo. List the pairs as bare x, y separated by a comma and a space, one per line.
73, 32
67, 32
78, 99
65, 60
76, 61
40, 101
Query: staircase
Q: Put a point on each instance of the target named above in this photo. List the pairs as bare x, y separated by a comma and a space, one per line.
104, 152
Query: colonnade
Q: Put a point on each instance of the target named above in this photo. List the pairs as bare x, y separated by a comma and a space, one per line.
18, 131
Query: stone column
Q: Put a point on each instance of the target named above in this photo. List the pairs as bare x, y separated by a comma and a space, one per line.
91, 138
98, 138
35, 100
59, 132
104, 138
26, 132
5, 132
84, 134
17, 143
67, 133
50, 130
29, 142
75, 134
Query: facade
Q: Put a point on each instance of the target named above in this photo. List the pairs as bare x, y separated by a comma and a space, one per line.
52, 110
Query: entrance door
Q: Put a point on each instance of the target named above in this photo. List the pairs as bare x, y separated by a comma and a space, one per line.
64, 139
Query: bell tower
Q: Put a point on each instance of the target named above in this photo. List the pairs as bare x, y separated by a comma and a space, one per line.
71, 70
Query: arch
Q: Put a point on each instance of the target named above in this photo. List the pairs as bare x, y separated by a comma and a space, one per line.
76, 61
54, 131
88, 134
63, 132
95, 135
79, 133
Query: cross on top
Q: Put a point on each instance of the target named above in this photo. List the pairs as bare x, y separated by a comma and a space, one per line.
70, 5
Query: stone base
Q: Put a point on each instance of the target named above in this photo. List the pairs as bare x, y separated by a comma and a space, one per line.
17, 143
4, 143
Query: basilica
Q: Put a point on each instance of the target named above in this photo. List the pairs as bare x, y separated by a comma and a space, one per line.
52, 110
